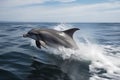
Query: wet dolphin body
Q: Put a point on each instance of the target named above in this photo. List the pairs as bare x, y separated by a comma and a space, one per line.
52, 38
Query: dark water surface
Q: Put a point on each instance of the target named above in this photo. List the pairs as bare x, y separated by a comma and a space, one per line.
21, 61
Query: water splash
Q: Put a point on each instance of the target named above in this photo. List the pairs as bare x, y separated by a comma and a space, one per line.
103, 66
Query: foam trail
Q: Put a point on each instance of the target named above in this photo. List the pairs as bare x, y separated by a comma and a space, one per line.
89, 51
96, 54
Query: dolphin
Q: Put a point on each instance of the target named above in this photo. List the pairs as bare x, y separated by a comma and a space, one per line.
52, 38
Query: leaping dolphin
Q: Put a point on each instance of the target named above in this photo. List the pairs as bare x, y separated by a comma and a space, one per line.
53, 38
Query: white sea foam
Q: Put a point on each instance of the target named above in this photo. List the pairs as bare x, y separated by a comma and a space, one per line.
90, 51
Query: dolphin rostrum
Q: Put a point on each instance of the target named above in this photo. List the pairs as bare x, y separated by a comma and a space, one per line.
53, 38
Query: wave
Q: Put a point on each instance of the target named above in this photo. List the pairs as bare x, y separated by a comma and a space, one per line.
96, 59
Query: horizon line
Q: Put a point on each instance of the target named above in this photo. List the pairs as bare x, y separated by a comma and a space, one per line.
50, 22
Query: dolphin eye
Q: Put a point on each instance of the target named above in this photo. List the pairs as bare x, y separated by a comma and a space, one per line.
30, 33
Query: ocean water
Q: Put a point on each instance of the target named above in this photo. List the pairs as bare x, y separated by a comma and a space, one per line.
98, 56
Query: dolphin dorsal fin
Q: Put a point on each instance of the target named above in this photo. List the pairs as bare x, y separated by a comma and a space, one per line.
71, 31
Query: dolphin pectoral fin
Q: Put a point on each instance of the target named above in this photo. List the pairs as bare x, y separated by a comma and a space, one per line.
38, 44
43, 43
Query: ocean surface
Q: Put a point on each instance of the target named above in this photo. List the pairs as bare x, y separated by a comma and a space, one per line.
98, 56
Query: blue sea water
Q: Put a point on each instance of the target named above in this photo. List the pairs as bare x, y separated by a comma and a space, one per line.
98, 56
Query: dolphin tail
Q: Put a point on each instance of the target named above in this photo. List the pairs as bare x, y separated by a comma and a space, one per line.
71, 31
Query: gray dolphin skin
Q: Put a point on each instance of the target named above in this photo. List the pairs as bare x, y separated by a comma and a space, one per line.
53, 38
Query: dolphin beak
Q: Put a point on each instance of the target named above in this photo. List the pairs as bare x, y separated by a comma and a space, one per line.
25, 35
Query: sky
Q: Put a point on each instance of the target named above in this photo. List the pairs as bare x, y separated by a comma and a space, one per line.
60, 10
